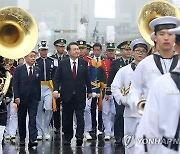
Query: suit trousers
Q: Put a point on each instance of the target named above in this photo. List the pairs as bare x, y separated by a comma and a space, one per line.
93, 116
68, 109
30, 107
56, 115
93, 112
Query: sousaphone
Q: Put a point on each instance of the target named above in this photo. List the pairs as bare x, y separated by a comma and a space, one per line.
18, 37
152, 10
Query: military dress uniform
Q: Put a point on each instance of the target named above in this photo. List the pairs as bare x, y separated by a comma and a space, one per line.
163, 98
152, 66
107, 106
120, 87
3, 105
56, 120
115, 66
47, 68
11, 125
87, 112
92, 74
96, 62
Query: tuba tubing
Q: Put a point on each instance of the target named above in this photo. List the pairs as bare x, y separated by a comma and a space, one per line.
18, 32
5, 84
152, 10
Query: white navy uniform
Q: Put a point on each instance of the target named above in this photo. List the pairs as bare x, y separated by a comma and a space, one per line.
161, 115
122, 79
145, 73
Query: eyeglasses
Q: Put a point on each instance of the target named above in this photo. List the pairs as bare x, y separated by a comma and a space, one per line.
141, 51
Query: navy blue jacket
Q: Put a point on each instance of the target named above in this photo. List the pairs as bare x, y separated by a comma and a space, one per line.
64, 78
24, 88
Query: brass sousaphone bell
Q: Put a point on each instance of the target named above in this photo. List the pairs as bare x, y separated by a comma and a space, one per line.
18, 37
150, 11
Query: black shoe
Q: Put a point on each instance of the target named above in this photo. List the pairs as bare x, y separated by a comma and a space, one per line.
67, 143
79, 142
32, 144
22, 143
57, 131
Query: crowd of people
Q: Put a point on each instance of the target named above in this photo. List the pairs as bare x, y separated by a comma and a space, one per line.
99, 94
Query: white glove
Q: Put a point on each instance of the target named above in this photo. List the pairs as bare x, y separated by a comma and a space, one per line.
94, 94
124, 101
97, 95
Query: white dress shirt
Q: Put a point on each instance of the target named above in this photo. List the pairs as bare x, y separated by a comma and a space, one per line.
72, 64
27, 66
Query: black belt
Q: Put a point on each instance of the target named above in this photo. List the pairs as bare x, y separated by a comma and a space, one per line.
170, 144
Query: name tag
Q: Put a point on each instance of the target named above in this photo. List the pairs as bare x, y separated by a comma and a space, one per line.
56, 62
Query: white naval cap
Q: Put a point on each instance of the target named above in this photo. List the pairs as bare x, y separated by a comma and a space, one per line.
175, 31
42, 45
152, 36
165, 22
140, 42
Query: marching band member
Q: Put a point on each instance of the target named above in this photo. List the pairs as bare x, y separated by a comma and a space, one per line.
96, 62
161, 62
121, 86
156, 123
11, 125
92, 74
3, 103
108, 108
46, 65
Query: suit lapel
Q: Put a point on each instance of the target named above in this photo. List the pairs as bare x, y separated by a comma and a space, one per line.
69, 67
25, 70
79, 67
35, 73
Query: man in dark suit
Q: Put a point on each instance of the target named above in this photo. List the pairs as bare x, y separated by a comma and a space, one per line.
27, 93
73, 77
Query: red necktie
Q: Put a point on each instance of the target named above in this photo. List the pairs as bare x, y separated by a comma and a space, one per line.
74, 70
30, 73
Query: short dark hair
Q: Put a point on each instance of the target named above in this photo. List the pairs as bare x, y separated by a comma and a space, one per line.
97, 45
69, 45
30, 52
20, 59
177, 39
